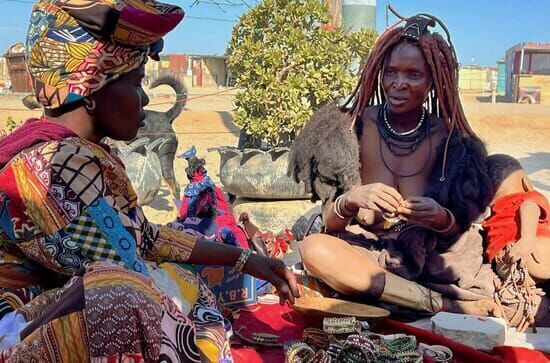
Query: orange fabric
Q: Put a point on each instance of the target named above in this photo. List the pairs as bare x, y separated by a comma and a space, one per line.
503, 227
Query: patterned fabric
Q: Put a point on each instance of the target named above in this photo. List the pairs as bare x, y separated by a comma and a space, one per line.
75, 47
30, 133
70, 209
11, 300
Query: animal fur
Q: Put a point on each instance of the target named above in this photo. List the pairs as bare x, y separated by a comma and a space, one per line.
325, 155
467, 189
158, 124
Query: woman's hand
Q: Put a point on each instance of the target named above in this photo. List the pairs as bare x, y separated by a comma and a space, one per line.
377, 197
275, 272
424, 211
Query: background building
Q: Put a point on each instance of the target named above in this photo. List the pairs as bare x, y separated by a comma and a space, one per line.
528, 73
194, 70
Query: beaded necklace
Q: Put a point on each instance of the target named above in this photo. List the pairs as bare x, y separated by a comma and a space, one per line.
404, 133
402, 145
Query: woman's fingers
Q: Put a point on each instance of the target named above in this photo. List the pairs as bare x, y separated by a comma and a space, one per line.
417, 203
282, 289
414, 214
291, 280
383, 206
393, 192
405, 211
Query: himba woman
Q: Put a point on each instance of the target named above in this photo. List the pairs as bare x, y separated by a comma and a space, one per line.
402, 176
84, 276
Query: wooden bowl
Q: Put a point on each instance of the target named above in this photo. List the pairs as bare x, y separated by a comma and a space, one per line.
315, 309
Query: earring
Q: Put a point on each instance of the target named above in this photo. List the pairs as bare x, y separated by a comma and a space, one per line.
89, 104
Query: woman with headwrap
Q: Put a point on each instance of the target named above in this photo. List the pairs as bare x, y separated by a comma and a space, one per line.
83, 274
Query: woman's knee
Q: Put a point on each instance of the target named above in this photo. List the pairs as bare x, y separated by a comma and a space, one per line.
538, 269
315, 251
538, 263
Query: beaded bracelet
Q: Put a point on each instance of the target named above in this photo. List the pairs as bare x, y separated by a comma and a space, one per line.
450, 226
411, 356
341, 325
241, 261
399, 343
333, 350
357, 348
298, 352
318, 338
321, 356
266, 339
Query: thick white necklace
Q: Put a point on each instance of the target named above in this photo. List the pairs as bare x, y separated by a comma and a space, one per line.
404, 133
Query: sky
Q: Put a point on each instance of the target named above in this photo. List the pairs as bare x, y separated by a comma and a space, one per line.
481, 30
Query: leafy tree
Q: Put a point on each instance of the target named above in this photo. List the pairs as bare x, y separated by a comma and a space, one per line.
288, 62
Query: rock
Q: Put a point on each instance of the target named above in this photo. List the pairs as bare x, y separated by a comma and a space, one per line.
257, 174
483, 333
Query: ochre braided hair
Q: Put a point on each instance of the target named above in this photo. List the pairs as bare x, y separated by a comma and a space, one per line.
443, 99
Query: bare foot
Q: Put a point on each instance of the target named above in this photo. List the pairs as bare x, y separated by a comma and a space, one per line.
480, 307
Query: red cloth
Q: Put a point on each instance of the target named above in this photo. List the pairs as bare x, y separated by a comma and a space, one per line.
503, 227
271, 319
30, 133
520, 355
263, 318
289, 325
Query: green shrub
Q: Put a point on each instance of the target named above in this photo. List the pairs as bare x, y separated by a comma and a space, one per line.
288, 63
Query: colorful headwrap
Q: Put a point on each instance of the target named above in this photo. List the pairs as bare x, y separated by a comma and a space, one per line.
75, 47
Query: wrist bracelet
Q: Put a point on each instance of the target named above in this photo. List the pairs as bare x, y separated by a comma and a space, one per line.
450, 226
338, 207
241, 261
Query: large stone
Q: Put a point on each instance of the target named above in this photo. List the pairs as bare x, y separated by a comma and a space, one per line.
483, 333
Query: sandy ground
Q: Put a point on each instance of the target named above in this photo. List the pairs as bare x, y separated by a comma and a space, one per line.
522, 131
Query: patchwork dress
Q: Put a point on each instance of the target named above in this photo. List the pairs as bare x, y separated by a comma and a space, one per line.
85, 277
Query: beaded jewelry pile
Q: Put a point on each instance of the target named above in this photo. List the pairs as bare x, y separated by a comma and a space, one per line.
346, 340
